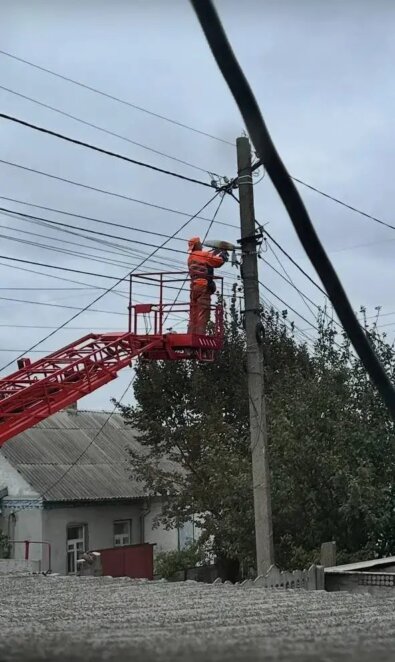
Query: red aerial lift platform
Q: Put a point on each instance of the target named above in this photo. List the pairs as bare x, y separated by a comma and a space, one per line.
39, 389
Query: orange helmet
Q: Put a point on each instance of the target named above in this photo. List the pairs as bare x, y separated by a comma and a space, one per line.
193, 243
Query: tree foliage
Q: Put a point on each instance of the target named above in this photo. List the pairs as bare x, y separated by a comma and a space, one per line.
168, 564
331, 444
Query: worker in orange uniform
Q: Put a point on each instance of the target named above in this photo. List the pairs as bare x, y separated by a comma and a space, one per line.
201, 265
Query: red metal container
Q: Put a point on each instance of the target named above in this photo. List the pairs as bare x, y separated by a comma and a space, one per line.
136, 561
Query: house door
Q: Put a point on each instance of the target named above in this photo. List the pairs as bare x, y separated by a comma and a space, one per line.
76, 546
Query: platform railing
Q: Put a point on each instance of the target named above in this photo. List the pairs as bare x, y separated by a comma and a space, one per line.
166, 286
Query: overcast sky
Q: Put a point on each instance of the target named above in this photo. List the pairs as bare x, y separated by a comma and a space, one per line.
323, 75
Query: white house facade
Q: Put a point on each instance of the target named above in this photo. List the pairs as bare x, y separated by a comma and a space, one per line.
65, 488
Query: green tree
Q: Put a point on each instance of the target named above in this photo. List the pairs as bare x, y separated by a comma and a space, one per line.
331, 445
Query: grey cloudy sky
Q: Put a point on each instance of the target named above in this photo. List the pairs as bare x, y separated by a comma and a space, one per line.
323, 75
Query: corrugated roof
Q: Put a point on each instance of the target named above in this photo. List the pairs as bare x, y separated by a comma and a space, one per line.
361, 565
45, 452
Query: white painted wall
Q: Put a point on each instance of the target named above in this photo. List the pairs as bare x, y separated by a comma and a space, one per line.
26, 524
51, 525
165, 541
9, 477
98, 518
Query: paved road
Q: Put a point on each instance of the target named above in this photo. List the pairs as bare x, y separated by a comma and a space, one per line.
60, 618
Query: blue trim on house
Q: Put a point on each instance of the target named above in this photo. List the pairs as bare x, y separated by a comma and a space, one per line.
35, 503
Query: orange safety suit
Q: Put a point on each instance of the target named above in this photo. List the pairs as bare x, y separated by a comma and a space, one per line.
201, 265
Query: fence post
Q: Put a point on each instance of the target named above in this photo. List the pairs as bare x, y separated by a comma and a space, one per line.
328, 554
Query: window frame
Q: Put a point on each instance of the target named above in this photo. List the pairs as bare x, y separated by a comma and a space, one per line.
73, 544
122, 536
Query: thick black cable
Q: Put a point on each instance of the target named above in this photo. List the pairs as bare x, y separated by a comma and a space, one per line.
114, 98
118, 281
289, 194
107, 131
101, 150
106, 192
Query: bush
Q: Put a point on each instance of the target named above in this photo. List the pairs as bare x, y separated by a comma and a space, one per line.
168, 563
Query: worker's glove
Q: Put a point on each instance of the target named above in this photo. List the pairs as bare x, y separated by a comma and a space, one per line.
224, 255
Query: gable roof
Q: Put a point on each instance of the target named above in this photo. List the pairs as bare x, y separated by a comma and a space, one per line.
94, 457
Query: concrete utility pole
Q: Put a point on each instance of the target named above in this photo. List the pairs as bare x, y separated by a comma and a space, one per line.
256, 388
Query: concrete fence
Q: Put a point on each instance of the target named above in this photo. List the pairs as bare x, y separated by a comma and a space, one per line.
309, 580
17, 566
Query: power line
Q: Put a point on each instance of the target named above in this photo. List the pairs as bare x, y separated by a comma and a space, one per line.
266, 150
284, 252
74, 253
64, 251
89, 231
49, 223
69, 328
46, 275
55, 266
291, 259
290, 324
114, 98
45, 289
106, 192
334, 199
118, 281
289, 280
95, 219
68, 269
172, 121
58, 305
345, 204
101, 150
33, 219
104, 130
288, 306
92, 441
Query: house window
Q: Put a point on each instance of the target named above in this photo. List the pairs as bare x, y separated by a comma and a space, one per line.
76, 545
122, 532
186, 535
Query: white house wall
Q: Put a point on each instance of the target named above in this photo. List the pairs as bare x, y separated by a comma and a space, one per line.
10, 478
99, 520
21, 512
165, 541
22, 520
